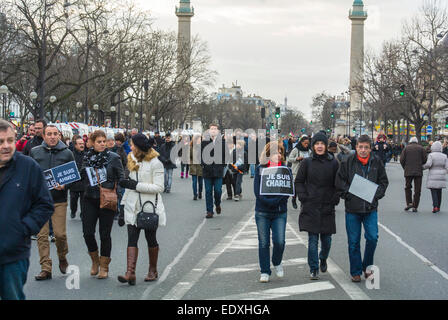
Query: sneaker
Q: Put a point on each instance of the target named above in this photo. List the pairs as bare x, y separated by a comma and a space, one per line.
200, 195
434, 210
264, 278
314, 275
323, 265
279, 271
236, 198
409, 206
209, 215
195, 197
52, 238
438, 209
356, 278
414, 210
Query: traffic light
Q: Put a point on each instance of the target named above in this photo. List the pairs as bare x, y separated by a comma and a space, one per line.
303, 130
277, 112
272, 126
402, 90
332, 115
311, 122
446, 122
263, 113
354, 130
328, 130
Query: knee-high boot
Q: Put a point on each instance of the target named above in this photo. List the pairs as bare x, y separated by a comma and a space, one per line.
129, 277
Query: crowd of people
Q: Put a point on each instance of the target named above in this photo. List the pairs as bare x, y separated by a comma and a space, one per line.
121, 174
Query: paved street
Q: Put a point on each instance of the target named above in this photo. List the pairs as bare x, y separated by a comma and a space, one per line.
218, 258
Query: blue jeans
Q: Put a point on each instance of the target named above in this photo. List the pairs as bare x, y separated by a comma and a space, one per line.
265, 223
197, 179
237, 182
353, 225
213, 188
12, 279
252, 170
168, 179
313, 256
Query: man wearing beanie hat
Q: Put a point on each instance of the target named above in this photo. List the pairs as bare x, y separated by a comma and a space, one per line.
359, 211
315, 187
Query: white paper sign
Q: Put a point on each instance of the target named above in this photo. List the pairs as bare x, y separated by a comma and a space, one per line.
363, 188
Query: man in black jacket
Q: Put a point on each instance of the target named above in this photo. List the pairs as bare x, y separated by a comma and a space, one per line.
359, 211
213, 163
77, 188
26, 207
37, 139
52, 153
165, 152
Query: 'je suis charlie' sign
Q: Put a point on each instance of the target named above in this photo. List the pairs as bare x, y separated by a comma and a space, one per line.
277, 181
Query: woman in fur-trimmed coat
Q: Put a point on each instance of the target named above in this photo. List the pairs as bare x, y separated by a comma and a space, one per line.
145, 183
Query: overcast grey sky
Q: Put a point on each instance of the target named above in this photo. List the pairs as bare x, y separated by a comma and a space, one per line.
278, 48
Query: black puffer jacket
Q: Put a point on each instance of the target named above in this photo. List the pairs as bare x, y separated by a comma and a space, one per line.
373, 171
165, 152
48, 158
115, 173
316, 190
78, 185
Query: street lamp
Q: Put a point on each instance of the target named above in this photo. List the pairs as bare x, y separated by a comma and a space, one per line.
112, 110
4, 91
126, 113
96, 108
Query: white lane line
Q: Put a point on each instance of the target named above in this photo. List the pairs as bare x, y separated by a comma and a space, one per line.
255, 266
176, 260
353, 290
414, 252
280, 292
179, 290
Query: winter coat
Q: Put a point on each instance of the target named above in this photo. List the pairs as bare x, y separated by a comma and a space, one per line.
36, 141
165, 152
437, 164
216, 168
412, 159
195, 159
383, 150
298, 151
78, 186
115, 173
373, 171
315, 188
150, 183
48, 158
26, 205
268, 204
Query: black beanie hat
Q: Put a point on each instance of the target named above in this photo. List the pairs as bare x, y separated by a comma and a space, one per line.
142, 142
319, 137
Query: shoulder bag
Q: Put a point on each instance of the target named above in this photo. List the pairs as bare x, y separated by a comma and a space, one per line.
108, 197
148, 220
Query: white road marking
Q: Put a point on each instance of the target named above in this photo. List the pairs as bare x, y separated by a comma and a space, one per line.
176, 260
352, 289
178, 291
414, 252
255, 266
280, 292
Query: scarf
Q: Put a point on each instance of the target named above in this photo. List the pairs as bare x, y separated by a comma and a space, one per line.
273, 164
364, 161
95, 159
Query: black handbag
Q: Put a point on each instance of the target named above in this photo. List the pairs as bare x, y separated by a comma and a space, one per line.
147, 220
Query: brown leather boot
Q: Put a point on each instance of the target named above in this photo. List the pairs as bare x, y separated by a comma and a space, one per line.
153, 255
104, 267
129, 277
63, 265
95, 263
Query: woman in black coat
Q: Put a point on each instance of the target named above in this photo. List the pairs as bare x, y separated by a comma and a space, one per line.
315, 187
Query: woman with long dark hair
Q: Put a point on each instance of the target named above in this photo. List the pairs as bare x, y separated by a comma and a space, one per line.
110, 171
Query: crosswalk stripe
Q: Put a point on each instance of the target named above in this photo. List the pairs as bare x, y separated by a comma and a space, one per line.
255, 266
280, 292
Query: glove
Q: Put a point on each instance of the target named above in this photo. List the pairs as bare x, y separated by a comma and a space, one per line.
128, 184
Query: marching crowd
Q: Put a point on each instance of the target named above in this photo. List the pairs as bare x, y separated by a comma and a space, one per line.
123, 178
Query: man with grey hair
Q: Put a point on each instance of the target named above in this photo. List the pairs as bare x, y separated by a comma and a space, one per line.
412, 159
26, 207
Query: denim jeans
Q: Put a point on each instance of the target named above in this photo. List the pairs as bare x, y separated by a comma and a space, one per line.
168, 179
197, 180
252, 170
237, 180
353, 225
12, 279
265, 223
213, 189
436, 195
313, 256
